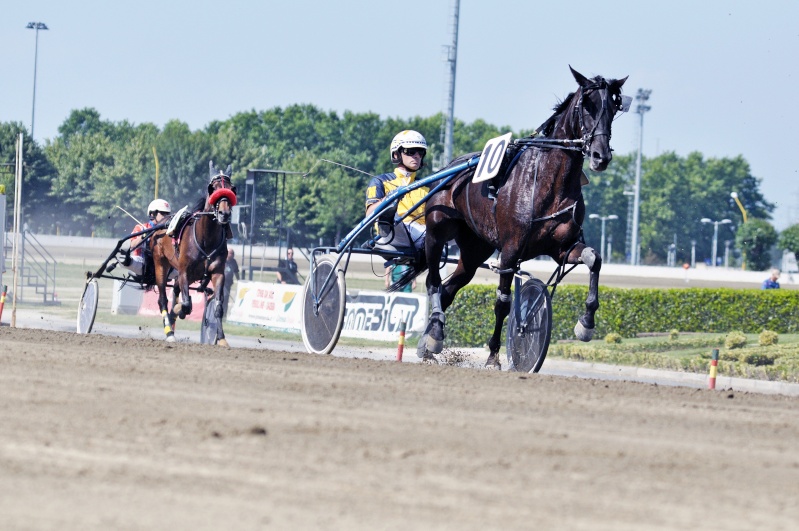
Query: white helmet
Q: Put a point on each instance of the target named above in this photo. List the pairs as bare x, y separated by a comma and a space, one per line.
407, 139
159, 205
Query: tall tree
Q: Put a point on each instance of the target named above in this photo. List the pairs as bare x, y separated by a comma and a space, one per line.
36, 177
756, 237
789, 240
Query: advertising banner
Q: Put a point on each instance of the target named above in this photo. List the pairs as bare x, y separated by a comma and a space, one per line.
276, 306
377, 314
369, 314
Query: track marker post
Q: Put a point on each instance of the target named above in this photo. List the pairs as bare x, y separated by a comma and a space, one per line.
3, 299
401, 344
714, 362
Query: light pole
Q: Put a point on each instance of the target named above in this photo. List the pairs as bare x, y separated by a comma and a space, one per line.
734, 195
609, 249
641, 98
35, 26
727, 253
603, 219
715, 233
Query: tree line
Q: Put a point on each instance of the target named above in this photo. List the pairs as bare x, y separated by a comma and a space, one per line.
75, 181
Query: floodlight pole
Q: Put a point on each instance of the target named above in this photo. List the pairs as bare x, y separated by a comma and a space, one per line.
452, 59
35, 26
641, 98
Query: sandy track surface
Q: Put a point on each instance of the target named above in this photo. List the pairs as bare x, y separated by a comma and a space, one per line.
99, 432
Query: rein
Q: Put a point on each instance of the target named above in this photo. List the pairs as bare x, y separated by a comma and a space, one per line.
209, 257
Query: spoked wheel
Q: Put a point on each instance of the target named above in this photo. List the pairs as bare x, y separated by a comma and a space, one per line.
529, 327
87, 309
210, 324
323, 313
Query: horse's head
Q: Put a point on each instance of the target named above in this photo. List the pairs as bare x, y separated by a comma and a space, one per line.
595, 104
219, 178
221, 194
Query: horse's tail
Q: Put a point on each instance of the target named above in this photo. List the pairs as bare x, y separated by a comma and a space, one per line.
414, 270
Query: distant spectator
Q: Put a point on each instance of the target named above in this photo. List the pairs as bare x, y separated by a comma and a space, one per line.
287, 269
771, 282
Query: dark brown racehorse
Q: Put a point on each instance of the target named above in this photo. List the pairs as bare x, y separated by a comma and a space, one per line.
200, 254
539, 210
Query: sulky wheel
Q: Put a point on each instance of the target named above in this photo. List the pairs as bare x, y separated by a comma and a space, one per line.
87, 309
210, 324
324, 299
529, 327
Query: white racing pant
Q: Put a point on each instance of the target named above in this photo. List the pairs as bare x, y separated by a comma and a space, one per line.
400, 237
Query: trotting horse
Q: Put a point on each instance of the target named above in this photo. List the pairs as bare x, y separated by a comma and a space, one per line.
539, 210
198, 253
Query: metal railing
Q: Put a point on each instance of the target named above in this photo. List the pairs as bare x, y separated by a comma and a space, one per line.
37, 269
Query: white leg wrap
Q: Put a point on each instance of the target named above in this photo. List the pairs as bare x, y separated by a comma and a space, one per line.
582, 333
503, 298
435, 305
588, 256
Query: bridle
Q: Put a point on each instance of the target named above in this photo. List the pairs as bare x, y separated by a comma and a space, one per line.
225, 192
588, 138
582, 144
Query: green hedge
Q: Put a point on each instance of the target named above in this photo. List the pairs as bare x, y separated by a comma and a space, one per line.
470, 319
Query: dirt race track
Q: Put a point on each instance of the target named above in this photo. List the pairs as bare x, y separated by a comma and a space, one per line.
100, 432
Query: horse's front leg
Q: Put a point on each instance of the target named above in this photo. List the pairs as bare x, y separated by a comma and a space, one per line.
584, 329
501, 311
218, 280
182, 306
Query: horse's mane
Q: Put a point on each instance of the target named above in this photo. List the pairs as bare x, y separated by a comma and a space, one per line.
547, 127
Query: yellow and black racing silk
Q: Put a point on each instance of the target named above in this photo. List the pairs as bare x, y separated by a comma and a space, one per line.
382, 185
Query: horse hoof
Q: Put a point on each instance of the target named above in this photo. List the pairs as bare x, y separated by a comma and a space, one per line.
434, 346
170, 338
429, 359
435, 334
582, 333
421, 348
222, 342
492, 363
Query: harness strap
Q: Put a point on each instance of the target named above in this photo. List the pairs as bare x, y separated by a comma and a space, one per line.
469, 205
571, 207
209, 257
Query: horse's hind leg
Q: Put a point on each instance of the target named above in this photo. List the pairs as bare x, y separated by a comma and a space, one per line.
442, 297
166, 315
177, 307
584, 329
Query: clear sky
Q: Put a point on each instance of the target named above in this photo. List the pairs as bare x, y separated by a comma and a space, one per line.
724, 75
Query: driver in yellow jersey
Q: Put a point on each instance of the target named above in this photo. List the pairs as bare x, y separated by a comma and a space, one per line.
408, 150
